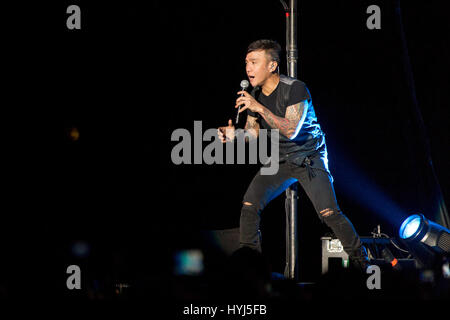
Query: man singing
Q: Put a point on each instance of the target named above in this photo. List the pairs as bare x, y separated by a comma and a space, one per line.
283, 103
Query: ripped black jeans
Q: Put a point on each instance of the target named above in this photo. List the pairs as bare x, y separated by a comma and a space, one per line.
315, 179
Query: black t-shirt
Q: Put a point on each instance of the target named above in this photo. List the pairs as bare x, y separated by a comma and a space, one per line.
298, 93
310, 137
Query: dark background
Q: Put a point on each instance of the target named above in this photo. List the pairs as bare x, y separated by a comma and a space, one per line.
134, 73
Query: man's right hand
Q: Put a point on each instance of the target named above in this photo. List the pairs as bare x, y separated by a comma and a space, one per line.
226, 134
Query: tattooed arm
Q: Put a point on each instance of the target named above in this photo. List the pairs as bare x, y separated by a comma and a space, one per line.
252, 126
290, 125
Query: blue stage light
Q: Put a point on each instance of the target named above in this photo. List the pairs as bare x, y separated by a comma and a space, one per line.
417, 228
410, 226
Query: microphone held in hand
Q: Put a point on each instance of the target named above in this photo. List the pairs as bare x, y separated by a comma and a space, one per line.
244, 85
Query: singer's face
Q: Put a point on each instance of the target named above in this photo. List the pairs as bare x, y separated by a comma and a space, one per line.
257, 66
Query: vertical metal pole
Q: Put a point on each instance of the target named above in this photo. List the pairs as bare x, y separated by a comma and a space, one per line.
291, 270
292, 45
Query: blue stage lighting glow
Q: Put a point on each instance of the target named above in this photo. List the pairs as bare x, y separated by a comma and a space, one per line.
364, 190
410, 226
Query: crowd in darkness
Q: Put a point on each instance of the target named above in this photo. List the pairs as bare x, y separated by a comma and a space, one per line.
246, 276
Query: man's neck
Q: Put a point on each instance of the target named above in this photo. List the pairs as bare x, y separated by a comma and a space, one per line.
270, 84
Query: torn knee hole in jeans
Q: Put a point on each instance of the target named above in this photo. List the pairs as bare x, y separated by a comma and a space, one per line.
326, 212
247, 203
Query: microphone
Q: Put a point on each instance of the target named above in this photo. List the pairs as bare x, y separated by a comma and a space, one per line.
244, 85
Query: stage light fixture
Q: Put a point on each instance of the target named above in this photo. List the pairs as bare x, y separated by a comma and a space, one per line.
417, 228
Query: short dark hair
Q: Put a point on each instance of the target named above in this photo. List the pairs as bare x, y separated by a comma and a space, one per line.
272, 48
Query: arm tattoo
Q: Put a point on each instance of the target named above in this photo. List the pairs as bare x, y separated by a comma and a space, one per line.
252, 126
288, 125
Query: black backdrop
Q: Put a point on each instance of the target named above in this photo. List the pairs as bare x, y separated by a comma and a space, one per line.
134, 73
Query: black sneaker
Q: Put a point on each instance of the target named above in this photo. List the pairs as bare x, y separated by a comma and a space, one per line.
360, 259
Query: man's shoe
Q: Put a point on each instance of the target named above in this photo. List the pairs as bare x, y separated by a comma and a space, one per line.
360, 259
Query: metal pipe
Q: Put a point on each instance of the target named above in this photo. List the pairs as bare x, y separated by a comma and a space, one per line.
292, 54
291, 270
